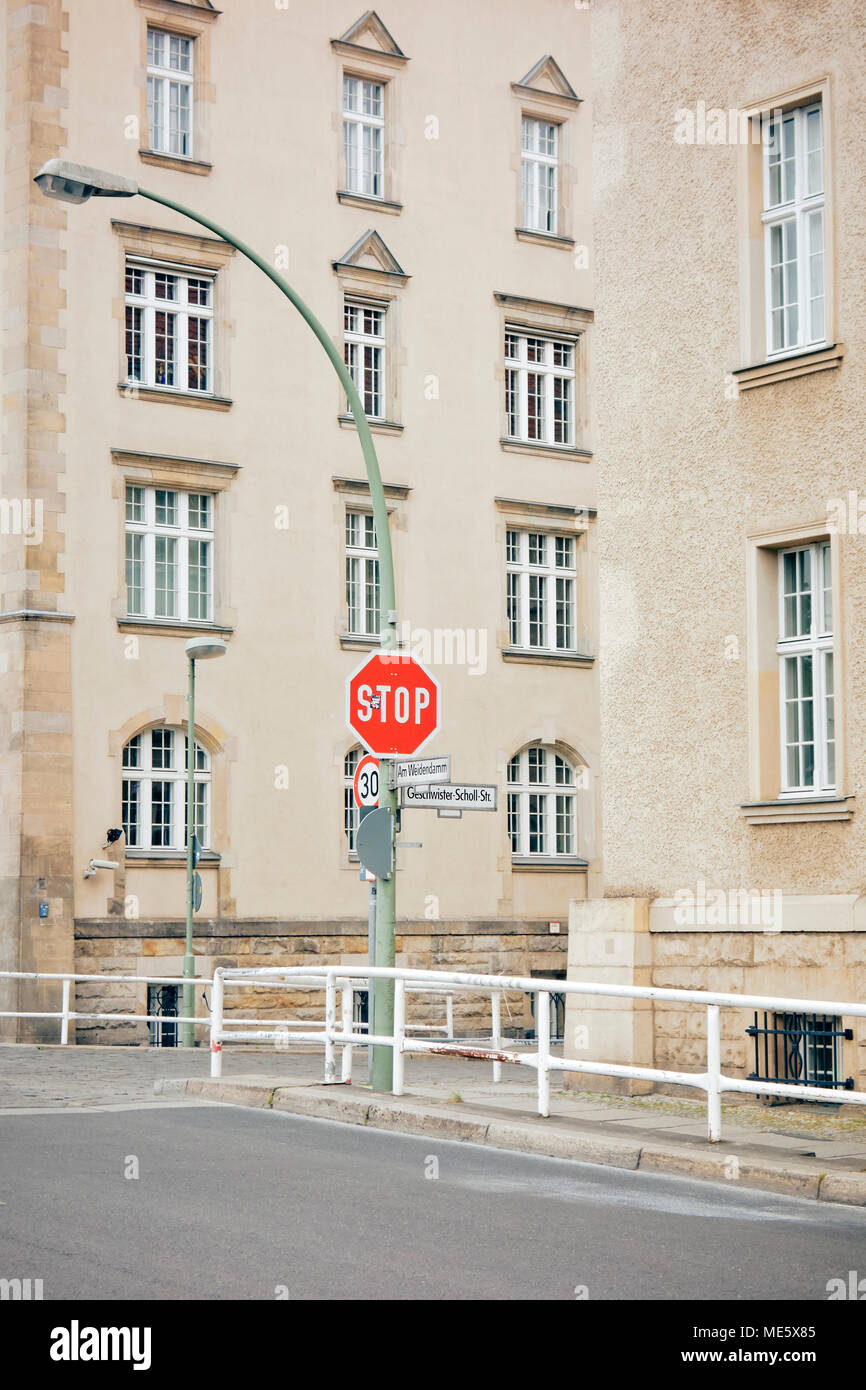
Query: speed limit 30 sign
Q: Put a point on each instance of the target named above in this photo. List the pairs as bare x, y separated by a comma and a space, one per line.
367, 781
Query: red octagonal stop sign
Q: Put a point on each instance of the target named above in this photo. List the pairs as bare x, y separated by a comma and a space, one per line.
392, 705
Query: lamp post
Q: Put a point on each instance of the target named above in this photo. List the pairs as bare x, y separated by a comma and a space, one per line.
75, 183
197, 649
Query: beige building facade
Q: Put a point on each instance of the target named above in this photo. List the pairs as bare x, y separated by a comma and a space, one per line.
729, 398
178, 460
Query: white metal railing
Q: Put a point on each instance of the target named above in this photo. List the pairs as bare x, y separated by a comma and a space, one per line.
713, 1081
65, 1013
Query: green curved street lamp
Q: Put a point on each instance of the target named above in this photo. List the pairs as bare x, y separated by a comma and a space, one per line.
75, 183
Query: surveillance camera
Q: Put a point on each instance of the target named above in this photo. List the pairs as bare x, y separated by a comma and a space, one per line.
103, 864
112, 835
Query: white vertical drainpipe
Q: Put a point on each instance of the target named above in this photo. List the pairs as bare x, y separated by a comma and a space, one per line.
330, 1027
496, 1030
346, 1022
542, 1028
714, 1068
399, 1034
216, 1025
64, 1016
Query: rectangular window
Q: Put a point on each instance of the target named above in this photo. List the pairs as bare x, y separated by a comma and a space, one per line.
362, 574
803, 1049
170, 76
793, 219
539, 173
539, 388
363, 136
169, 554
805, 650
169, 327
541, 591
364, 352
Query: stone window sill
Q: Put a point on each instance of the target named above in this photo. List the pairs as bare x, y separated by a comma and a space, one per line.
563, 243
546, 658
133, 391
570, 865
376, 426
166, 859
793, 812
170, 628
174, 161
350, 641
360, 200
522, 446
784, 368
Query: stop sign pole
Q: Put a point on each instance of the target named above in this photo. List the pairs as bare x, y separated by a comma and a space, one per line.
392, 707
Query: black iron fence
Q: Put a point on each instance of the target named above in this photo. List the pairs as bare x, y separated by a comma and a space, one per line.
801, 1048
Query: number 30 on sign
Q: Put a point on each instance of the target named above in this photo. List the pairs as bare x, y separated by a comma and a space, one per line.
367, 781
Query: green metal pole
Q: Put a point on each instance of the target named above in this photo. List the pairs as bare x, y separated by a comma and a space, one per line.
188, 1029
381, 1074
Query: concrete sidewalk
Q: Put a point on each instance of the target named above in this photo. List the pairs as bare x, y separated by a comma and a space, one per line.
806, 1151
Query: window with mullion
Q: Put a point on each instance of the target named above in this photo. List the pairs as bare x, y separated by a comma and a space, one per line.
169, 554
541, 591
541, 805
350, 810
539, 388
363, 135
364, 353
793, 220
169, 329
170, 78
539, 173
154, 791
362, 575
806, 676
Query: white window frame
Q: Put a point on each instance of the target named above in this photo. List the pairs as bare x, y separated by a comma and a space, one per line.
531, 581
520, 343
183, 534
366, 352
816, 644
557, 811
362, 574
351, 820
365, 172
145, 775
162, 78
537, 165
148, 305
794, 215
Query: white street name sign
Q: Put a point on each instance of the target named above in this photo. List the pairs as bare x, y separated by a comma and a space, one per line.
407, 771
462, 796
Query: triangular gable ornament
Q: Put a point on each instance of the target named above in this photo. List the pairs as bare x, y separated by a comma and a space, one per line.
370, 253
548, 78
369, 32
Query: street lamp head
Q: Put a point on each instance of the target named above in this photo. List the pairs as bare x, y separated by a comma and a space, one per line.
202, 648
75, 183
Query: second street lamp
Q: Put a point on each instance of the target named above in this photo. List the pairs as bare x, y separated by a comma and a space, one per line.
75, 183
197, 649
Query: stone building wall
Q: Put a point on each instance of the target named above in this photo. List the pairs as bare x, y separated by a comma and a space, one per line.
481, 947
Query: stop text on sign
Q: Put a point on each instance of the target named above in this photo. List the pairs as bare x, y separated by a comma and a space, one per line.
392, 704
371, 700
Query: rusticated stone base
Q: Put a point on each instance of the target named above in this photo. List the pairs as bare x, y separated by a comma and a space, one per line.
103, 946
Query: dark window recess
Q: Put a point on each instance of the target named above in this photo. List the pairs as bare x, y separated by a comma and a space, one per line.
557, 1006
360, 1009
803, 1049
164, 1000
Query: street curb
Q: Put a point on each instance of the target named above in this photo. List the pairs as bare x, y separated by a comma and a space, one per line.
409, 1115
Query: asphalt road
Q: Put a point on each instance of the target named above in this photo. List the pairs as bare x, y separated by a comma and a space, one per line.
232, 1203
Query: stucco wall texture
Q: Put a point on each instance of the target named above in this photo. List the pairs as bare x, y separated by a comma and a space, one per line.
687, 473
